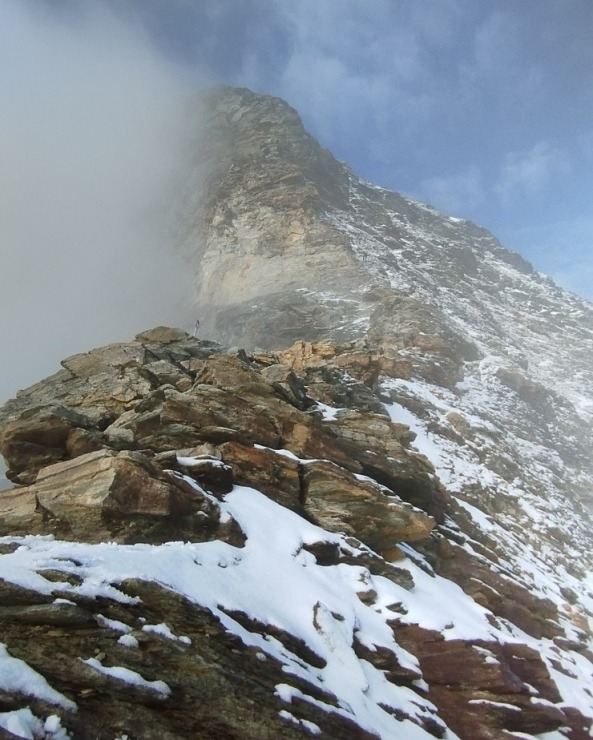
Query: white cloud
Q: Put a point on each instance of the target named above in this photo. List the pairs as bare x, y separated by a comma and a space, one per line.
357, 67
499, 72
88, 148
528, 173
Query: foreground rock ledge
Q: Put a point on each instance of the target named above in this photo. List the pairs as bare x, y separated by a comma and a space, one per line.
137, 442
91, 444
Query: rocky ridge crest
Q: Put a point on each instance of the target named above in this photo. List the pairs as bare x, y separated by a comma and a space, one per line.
169, 438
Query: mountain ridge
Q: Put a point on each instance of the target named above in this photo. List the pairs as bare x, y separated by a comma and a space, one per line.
410, 419
474, 319
173, 451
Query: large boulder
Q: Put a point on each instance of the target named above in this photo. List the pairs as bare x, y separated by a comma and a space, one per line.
64, 416
122, 496
43, 435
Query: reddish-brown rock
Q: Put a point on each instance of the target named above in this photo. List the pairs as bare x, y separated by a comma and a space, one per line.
484, 690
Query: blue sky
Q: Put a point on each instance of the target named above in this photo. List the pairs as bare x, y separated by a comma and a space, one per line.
483, 109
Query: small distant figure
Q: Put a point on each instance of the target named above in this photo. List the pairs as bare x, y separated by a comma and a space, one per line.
196, 327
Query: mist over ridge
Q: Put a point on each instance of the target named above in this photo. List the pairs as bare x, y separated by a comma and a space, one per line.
365, 485
92, 133
92, 144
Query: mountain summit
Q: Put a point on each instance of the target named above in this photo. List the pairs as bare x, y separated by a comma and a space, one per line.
279, 228
372, 521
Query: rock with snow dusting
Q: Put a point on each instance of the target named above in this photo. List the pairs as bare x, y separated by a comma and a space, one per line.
105, 495
235, 409
279, 582
375, 523
338, 501
287, 237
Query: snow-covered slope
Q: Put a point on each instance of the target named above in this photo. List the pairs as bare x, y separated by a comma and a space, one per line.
494, 298
511, 438
275, 582
193, 526
272, 581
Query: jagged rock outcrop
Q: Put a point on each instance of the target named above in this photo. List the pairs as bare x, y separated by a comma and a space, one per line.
102, 463
121, 496
261, 184
103, 458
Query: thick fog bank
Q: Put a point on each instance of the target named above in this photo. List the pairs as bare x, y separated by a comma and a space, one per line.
92, 137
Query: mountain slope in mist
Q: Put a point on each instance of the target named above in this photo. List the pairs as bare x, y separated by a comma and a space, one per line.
374, 521
289, 244
91, 143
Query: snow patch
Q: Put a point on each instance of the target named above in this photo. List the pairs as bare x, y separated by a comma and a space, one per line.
17, 677
127, 676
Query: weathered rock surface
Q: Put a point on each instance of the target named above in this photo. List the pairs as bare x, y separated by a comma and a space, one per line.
218, 687
86, 478
235, 190
416, 409
487, 689
102, 495
337, 500
153, 469
44, 435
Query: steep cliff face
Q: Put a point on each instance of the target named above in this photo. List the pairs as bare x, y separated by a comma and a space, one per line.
372, 521
253, 224
277, 227
290, 244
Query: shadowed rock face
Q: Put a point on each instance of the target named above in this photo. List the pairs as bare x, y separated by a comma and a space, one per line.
139, 442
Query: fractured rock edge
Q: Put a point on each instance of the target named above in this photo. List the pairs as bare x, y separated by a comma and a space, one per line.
102, 447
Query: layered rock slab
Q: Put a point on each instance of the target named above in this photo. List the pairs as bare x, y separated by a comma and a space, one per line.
237, 409
102, 495
211, 419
